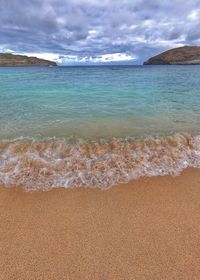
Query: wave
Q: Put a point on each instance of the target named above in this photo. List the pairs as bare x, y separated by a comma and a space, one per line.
52, 163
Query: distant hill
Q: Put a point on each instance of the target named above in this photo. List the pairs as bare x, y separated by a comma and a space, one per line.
7, 59
183, 55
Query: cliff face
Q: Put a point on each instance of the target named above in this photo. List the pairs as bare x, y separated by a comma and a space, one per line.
182, 55
22, 60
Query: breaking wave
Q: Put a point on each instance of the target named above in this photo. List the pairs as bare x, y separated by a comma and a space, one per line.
52, 163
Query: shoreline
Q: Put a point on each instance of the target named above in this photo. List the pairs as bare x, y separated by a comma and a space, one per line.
146, 229
51, 164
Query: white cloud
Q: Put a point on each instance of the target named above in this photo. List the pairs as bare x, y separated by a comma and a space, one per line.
194, 15
167, 44
4, 49
105, 58
113, 57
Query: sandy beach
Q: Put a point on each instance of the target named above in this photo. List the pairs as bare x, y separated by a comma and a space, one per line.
147, 229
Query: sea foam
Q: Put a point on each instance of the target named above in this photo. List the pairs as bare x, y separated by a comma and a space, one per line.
45, 164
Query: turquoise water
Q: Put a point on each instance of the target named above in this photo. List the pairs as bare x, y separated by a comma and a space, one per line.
97, 126
93, 102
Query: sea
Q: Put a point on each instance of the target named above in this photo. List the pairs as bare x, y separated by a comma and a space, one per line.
97, 126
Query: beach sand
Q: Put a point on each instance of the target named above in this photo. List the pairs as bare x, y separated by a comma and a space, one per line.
146, 229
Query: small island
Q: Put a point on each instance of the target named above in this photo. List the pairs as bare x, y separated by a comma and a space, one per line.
188, 55
10, 60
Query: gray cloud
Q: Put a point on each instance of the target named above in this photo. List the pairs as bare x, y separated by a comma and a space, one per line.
93, 28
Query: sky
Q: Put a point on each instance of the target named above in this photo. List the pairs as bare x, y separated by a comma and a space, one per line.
97, 31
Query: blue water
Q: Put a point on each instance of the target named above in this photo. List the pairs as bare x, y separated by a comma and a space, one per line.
97, 126
95, 102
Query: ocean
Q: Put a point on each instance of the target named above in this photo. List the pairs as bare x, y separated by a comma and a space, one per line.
97, 126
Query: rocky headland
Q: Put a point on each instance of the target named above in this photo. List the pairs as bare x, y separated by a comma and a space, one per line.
178, 56
10, 60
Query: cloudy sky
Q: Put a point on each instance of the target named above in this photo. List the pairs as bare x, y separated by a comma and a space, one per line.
96, 31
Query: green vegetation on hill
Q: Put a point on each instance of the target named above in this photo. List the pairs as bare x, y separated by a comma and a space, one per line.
183, 55
8, 59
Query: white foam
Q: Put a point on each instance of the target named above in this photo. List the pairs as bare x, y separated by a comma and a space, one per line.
37, 164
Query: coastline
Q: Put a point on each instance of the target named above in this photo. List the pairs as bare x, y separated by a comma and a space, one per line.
146, 229
48, 164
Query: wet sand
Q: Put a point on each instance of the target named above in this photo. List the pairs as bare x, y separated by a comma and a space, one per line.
147, 229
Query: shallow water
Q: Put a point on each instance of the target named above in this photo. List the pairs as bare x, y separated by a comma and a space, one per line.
97, 126
93, 102
46, 164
